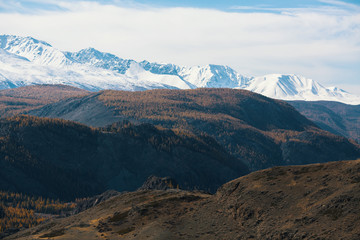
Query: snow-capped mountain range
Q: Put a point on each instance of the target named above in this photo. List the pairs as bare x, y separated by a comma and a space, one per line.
28, 61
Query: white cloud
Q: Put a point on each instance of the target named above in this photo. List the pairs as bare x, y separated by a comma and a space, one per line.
318, 44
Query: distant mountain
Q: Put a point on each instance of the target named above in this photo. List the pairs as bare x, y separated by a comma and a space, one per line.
335, 117
27, 61
67, 160
257, 130
34, 50
319, 201
293, 87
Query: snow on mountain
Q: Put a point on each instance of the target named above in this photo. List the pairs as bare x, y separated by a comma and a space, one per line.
213, 76
16, 71
157, 68
138, 74
293, 87
27, 61
93, 57
34, 50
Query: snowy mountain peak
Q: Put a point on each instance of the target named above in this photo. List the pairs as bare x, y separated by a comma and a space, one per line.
27, 61
294, 87
213, 76
93, 57
16, 40
34, 50
284, 86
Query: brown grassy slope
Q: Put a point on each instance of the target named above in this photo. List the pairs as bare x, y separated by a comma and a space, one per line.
319, 201
19, 100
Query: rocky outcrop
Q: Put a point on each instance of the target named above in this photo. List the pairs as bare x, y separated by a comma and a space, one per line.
87, 203
157, 183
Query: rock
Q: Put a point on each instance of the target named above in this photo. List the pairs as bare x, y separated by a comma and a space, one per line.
157, 183
93, 201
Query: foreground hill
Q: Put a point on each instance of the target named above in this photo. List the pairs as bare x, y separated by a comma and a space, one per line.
17, 100
335, 117
259, 131
299, 202
66, 160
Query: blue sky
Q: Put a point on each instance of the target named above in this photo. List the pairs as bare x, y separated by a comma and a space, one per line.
226, 5
316, 39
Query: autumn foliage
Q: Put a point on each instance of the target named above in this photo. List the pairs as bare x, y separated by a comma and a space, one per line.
18, 210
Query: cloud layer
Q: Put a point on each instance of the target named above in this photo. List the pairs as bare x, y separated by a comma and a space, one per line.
322, 43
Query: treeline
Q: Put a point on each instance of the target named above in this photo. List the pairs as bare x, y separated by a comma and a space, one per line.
165, 139
18, 210
231, 107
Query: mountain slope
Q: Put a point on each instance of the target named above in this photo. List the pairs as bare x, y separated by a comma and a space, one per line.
36, 51
27, 61
300, 202
212, 76
293, 87
17, 100
334, 117
62, 159
258, 130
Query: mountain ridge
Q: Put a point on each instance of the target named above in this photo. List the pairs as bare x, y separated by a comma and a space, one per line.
93, 70
67, 160
260, 131
334, 117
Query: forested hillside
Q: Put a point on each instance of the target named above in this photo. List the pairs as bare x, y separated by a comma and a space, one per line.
257, 130
19, 210
335, 117
62, 159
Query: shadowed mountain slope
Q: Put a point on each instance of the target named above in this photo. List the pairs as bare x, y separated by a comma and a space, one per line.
259, 131
317, 201
335, 117
66, 160
88, 110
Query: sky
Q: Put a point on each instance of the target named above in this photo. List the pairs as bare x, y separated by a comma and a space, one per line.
318, 39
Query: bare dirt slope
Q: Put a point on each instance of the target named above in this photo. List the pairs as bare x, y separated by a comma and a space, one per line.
319, 201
